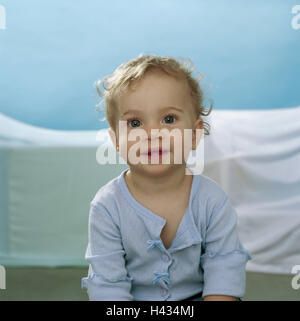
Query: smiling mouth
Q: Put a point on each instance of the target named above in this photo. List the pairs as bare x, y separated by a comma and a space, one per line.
160, 153
155, 152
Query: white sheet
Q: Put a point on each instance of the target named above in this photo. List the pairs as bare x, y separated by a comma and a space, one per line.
255, 157
48, 177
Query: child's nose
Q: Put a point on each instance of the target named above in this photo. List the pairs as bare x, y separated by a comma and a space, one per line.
153, 128
153, 137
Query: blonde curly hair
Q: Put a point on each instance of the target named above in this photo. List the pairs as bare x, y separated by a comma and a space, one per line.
121, 79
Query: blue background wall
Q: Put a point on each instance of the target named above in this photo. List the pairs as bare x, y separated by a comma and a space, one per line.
52, 52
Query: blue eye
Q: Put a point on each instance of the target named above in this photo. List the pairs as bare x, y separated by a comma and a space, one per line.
135, 122
170, 119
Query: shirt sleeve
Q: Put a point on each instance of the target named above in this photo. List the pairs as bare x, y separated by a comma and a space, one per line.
224, 259
107, 278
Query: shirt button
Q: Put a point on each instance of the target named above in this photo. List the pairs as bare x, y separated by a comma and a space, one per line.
164, 292
165, 258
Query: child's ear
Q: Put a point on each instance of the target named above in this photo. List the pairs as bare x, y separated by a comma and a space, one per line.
198, 127
113, 137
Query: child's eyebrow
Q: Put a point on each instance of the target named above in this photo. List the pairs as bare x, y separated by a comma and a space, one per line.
135, 111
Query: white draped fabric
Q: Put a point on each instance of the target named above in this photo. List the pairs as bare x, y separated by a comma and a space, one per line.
48, 178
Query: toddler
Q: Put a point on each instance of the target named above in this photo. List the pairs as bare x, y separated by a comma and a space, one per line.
158, 231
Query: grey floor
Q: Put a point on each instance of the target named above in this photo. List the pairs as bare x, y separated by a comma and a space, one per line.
61, 284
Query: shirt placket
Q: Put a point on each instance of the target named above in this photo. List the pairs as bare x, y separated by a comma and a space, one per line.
161, 278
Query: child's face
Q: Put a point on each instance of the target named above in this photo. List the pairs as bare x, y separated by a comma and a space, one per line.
158, 102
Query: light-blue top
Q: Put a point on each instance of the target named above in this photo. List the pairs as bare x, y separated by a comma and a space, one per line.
128, 261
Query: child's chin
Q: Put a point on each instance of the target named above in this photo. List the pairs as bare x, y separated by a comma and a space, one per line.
155, 162
156, 169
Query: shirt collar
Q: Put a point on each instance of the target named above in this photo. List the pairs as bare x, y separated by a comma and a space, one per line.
188, 233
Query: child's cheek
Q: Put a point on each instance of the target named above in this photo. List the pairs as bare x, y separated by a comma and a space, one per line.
187, 143
131, 144
123, 146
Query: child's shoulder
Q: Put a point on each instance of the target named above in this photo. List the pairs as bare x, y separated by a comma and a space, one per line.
210, 191
106, 194
214, 201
